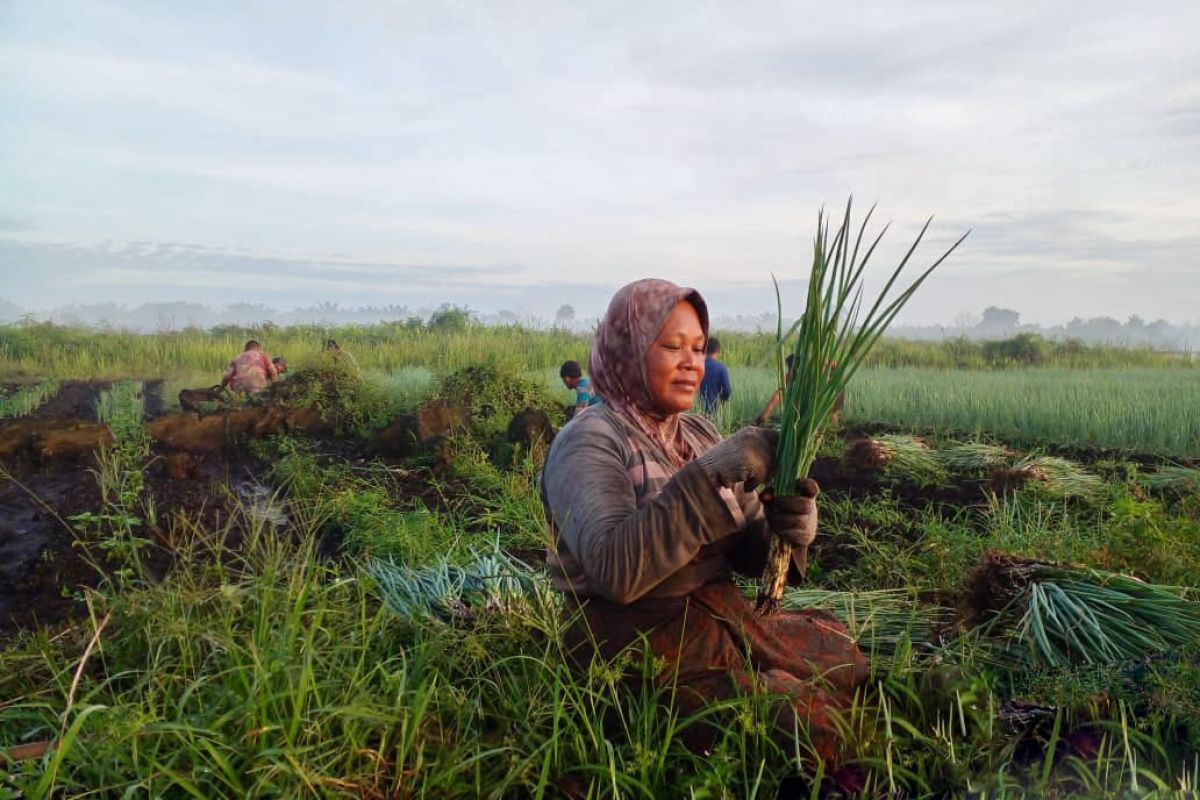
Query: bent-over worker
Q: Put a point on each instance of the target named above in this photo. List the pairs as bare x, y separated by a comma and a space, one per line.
251, 371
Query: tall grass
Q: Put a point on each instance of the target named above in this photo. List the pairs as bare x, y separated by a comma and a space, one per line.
267, 673
262, 671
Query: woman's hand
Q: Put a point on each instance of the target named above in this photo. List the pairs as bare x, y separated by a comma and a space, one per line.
794, 519
746, 457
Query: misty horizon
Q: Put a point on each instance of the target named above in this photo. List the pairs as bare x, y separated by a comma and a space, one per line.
992, 323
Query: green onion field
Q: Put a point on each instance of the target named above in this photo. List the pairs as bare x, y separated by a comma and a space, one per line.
338, 590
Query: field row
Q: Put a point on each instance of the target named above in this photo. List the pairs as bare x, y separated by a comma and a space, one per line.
1144, 410
50, 351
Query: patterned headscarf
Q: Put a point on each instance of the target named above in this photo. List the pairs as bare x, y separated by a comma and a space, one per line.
618, 361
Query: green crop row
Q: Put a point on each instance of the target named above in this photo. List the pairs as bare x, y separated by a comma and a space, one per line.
26, 399
1147, 410
47, 350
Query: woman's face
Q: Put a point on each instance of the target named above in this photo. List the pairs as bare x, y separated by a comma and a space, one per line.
675, 363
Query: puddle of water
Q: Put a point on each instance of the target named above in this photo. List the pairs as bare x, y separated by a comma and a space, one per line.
261, 502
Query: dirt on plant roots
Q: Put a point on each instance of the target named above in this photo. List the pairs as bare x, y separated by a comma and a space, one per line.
997, 580
531, 428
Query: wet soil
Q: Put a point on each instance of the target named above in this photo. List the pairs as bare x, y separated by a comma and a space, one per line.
47, 560
40, 570
152, 395
75, 400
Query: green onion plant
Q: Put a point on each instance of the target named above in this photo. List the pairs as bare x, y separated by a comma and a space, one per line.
829, 342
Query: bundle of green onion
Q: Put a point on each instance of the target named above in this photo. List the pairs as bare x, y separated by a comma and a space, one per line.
829, 343
488, 583
1064, 615
975, 457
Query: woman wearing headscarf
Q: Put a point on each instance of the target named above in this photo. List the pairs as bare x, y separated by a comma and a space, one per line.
651, 513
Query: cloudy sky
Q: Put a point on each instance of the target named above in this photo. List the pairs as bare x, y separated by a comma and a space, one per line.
518, 155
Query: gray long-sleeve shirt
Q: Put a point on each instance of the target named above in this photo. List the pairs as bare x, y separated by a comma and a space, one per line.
627, 526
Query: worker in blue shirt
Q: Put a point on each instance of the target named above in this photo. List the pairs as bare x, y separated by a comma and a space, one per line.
715, 388
574, 379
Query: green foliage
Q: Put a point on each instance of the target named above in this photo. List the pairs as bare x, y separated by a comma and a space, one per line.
491, 392
449, 318
120, 474
369, 522
26, 399
1094, 408
497, 500
122, 407
351, 402
1144, 537
363, 511
1024, 349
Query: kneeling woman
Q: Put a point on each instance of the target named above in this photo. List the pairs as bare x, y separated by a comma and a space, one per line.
652, 513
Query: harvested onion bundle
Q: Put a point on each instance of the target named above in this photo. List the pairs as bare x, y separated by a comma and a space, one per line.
830, 344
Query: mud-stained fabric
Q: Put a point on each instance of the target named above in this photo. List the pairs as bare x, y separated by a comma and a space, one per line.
617, 363
714, 646
251, 372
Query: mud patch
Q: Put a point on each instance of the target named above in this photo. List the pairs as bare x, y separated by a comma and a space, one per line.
227, 429
52, 441
44, 571
421, 431
74, 400
41, 571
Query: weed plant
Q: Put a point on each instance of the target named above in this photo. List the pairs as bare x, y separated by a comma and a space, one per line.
25, 400
117, 528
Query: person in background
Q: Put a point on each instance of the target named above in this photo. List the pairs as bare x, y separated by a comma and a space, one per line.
715, 389
333, 357
251, 371
773, 403
574, 379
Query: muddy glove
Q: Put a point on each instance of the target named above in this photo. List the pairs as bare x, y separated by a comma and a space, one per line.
748, 455
794, 519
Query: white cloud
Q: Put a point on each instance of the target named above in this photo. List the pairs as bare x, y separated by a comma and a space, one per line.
543, 144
